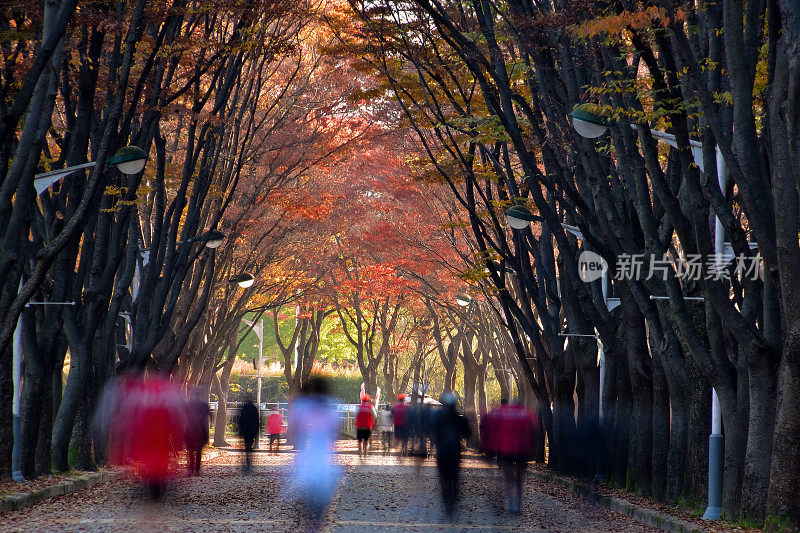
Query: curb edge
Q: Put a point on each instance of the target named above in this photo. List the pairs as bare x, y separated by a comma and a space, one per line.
641, 514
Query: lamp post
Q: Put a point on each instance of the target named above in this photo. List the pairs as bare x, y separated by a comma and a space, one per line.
129, 160
591, 126
258, 329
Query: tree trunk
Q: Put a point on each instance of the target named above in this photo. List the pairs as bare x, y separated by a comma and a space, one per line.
761, 426
450, 365
735, 442
784, 497
640, 371
622, 428
483, 406
68, 409
31, 403
502, 380
563, 440
470, 381
45, 426
678, 446
661, 430
81, 441
221, 421
699, 414
589, 395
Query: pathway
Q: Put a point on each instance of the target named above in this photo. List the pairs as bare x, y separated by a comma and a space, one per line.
377, 494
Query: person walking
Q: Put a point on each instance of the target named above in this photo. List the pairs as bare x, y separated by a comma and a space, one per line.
511, 432
248, 429
450, 428
400, 418
386, 425
275, 430
313, 428
198, 416
365, 421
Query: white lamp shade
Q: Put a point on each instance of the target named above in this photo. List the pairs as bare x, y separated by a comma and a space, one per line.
214, 243
588, 129
132, 167
517, 223
247, 283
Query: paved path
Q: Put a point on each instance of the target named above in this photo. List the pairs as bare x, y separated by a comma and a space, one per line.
377, 494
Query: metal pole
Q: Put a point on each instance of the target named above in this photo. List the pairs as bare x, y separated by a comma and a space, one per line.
716, 442
297, 344
258, 379
16, 470
601, 356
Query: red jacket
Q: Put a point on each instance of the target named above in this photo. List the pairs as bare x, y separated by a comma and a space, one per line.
400, 414
510, 431
365, 417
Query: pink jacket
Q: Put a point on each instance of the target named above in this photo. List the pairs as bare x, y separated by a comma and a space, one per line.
510, 430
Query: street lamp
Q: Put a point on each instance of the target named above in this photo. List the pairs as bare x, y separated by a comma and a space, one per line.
463, 301
520, 217
587, 124
129, 160
212, 239
591, 126
244, 280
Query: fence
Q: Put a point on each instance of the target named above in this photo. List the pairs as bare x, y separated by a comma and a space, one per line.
346, 412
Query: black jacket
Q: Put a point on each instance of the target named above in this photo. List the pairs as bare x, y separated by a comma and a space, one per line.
449, 429
248, 421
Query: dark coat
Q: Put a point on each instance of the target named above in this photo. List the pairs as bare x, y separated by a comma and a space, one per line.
198, 414
248, 422
449, 429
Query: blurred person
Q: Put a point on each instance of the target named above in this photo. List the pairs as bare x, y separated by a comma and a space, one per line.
400, 418
413, 424
146, 428
313, 428
510, 432
425, 420
275, 429
387, 428
249, 425
365, 422
198, 417
450, 428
